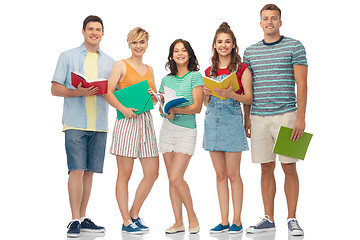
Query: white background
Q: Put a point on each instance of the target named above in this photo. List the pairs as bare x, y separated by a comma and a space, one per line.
33, 179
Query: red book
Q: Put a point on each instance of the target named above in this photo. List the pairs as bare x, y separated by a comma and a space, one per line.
100, 83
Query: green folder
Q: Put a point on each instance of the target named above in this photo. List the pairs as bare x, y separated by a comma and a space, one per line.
135, 96
285, 146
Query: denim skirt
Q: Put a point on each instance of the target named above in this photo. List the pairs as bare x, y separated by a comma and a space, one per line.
224, 126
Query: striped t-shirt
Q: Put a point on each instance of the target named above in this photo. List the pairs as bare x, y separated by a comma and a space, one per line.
271, 65
183, 86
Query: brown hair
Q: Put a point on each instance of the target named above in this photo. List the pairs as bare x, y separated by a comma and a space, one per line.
235, 57
193, 64
92, 18
272, 7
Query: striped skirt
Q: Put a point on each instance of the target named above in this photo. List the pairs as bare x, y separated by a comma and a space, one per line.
135, 137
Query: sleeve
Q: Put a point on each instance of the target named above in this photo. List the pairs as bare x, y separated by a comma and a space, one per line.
299, 55
197, 79
245, 58
161, 88
61, 70
207, 72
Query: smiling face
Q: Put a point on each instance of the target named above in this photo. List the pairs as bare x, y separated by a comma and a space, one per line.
138, 47
180, 54
224, 44
271, 23
92, 34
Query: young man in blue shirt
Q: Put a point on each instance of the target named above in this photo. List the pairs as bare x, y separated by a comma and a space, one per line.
85, 120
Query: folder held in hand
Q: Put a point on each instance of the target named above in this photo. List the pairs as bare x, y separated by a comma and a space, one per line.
135, 96
285, 146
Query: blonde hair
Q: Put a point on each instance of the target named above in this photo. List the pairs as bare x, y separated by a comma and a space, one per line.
137, 34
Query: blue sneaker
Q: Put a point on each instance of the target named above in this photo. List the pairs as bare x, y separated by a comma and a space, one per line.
220, 228
89, 226
74, 229
265, 225
140, 223
132, 228
294, 227
234, 229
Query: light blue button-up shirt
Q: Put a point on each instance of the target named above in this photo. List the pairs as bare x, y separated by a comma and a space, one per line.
74, 113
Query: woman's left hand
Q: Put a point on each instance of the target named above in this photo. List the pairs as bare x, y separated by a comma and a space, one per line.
171, 115
225, 92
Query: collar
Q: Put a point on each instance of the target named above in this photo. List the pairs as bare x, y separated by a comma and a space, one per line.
83, 49
273, 43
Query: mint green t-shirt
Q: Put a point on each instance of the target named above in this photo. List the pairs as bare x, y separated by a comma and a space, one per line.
183, 87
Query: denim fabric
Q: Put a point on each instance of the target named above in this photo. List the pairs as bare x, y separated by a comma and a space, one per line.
224, 129
74, 113
85, 150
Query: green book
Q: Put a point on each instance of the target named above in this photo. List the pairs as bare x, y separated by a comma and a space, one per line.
285, 146
135, 96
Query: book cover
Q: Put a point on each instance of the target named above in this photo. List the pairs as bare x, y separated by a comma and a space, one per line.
223, 84
135, 96
170, 99
100, 83
285, 146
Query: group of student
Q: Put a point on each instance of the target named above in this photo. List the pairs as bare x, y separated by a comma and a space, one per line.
267, 78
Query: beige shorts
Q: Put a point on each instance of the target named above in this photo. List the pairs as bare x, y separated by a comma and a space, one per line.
264, 131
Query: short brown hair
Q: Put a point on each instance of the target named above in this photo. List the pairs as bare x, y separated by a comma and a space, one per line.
92, 18
271, 7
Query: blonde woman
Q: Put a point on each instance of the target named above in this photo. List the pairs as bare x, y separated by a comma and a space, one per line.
134, 135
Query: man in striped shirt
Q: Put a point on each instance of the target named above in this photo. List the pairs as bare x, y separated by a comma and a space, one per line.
277, 64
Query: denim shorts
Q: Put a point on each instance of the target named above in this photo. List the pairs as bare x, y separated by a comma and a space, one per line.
85, 150
223, 127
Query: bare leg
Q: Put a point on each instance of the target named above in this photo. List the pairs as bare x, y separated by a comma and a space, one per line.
176, 173
125, 166
268, 188
233, 172
75, 188
87, 184
291, 188
175, 199
218, 160
150, 168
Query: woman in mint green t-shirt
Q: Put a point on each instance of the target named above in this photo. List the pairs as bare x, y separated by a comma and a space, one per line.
178, 132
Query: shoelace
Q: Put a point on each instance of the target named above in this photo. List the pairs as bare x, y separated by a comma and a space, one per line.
263, 220
142, 221
132, 225
294, 224
70, 224
88, 220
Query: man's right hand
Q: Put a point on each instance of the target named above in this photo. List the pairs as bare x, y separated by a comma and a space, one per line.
81, 91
